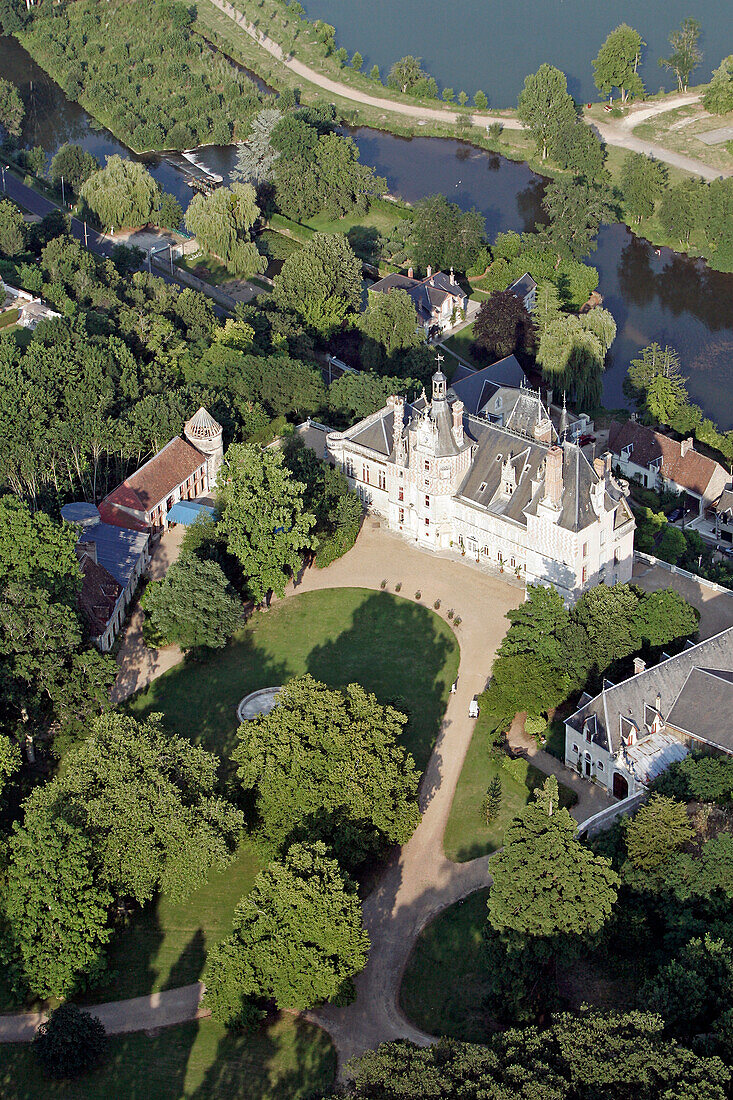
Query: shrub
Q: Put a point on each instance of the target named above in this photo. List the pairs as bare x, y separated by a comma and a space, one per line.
398, 586
418, 594
495, 130
492, 800
450, 613
436, 605
70, 1043
457, 621
382, 585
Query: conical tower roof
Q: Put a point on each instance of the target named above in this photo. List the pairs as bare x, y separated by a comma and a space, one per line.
202, 425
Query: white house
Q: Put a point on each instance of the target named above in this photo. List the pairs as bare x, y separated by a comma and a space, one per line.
438, 298
508, 495
629, 733
663, 463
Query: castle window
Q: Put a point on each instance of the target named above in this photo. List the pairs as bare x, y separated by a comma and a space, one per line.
650, 715
400, 493
427, 501
402, 515
427, 522
482, 487
599, 765
365, 474
512, 563
427, 465
382, 480
585, 549
584, 575
349, 467
575, 748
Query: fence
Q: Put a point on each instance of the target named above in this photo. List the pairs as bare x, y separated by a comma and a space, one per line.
650, 560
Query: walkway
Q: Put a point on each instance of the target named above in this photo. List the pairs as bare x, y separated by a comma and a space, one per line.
612, 133
419, 881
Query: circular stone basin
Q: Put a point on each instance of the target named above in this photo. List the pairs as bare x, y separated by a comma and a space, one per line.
259, 702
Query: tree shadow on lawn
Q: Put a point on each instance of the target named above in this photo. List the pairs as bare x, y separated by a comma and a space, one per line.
411, 667
402, 652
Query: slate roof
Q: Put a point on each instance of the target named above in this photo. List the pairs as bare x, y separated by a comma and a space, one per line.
523, 286
98, 596
118, 548
527, 413
667, 679
704, 706
158, 477
724, 503
427, 294
474, 388
692, 470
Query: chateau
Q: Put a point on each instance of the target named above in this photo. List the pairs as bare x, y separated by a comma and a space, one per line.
512, 495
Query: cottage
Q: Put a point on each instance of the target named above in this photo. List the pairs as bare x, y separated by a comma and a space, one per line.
663, 463
629, 733
438, 299
183, 469
505, 495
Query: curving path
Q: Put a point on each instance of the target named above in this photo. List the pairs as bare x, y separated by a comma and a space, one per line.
419, 881
612, 133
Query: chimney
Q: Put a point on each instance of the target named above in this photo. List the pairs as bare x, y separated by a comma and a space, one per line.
543, 431
430, 271
658, 703
553, 477
452, 278
639, 665
549, 399
600, 468
685, 446
410, 273
457, 410
87, 549
398, 405
606, 456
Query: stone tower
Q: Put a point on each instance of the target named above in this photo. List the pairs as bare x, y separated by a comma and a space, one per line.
203, 432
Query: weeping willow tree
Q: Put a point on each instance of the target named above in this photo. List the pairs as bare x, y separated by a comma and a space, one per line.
222, 223
572, 354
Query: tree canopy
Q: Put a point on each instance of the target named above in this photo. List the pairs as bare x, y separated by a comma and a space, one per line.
123, 193
12, 109
686, 54
444, 236
617, 62
222, 222
643, 180
193, 605
328, 764
321, 282
545, 107
544, 881
660, 827
74, 165
503, 325
388, 325
297, 940
263, 519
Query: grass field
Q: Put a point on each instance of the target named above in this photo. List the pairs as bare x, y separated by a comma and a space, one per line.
467, 835
461, 342
444, 988
206, 267
339, 636
287, 1059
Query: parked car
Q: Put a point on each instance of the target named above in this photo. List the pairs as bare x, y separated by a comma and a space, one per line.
676, 515
585, 439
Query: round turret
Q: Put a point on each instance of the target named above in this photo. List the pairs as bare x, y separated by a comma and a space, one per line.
206, 435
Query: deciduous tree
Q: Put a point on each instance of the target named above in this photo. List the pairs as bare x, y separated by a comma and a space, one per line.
682, 208
503, 325
329, 764
686, 54
643, 180
444, 236
544, 105
298, 939
193, 605
718, 96
11, 108
576, 212
12, 229
70, 1043
121, 194
617, 62
321, 282
388, 325
263, 519
222, 222
74, 164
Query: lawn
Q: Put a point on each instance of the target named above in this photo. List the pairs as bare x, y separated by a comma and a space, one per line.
444, 988
207, 268
461, 342
403, 652
467, 835
285, 1060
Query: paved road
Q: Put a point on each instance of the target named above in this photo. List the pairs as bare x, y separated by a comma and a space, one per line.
419, 881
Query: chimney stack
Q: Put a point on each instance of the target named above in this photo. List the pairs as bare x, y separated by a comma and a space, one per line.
87, 549
457, 410
430, 271
639, 665
549, 400
599, 466
409, 273
398, 405
607, 459
543, 431
452, 278
685, 446
553, 477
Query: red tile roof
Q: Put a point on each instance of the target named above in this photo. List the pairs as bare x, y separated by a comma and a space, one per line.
692, 470
157, 478
110, 513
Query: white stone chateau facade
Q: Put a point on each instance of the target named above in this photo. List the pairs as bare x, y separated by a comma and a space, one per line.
509, 496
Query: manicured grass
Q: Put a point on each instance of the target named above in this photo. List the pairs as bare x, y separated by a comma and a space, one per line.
467, 835
166, 944
276, 245
444, 987
285, 1060
461, 342
207, 268
378, 218
401, 651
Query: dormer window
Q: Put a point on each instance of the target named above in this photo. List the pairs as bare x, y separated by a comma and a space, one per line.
497, 403
590, 727
629, 732
652, 719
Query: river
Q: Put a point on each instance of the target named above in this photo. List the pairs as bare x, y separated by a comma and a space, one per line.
471, 44
668, 298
